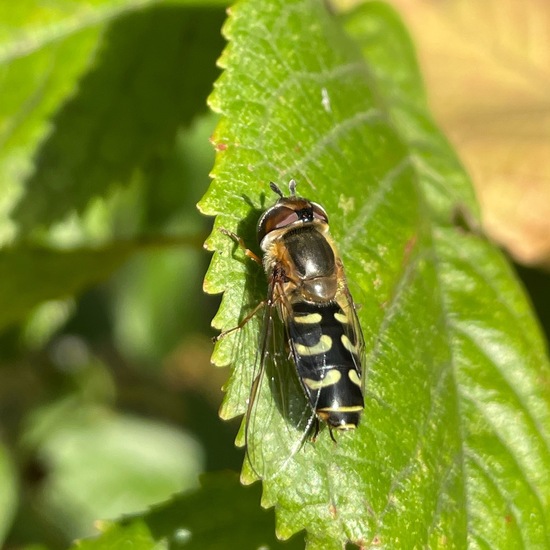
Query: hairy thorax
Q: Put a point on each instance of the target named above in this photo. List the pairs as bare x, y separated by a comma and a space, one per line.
308, 263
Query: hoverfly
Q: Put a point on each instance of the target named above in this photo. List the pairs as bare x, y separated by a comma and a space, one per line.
319, 329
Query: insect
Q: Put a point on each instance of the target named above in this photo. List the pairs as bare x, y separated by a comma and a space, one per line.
308, 289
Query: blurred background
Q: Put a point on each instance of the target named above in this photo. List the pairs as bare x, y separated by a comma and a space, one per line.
486, 67
108, 402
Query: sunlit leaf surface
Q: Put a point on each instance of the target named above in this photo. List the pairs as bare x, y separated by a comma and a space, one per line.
454, 445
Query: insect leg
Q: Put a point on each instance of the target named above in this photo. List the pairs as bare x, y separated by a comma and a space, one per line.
241, 245
258, 260
315, 429
242, 323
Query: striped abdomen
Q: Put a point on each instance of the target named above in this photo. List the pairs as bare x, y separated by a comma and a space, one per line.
325, 350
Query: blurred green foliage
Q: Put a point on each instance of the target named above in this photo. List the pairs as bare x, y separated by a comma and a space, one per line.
108, 401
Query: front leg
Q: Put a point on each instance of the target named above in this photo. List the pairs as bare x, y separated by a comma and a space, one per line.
263, 303
241, 245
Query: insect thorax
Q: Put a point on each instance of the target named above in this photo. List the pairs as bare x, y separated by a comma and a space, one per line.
308, 261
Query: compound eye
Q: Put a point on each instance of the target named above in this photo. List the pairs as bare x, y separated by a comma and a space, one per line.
275, 218
319, 212
284, 217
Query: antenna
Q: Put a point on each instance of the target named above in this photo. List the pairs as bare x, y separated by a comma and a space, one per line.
292, 187
276, 189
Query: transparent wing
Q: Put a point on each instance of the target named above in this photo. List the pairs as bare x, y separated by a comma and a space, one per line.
279, 417
353, 328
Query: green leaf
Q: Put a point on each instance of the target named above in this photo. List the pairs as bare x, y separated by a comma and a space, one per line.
453, 449
190, 161
44, 50
155, 284
8, 492
499, 361
220, 515
153, 72
136, 534
149, 290
62, 274
102, 464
